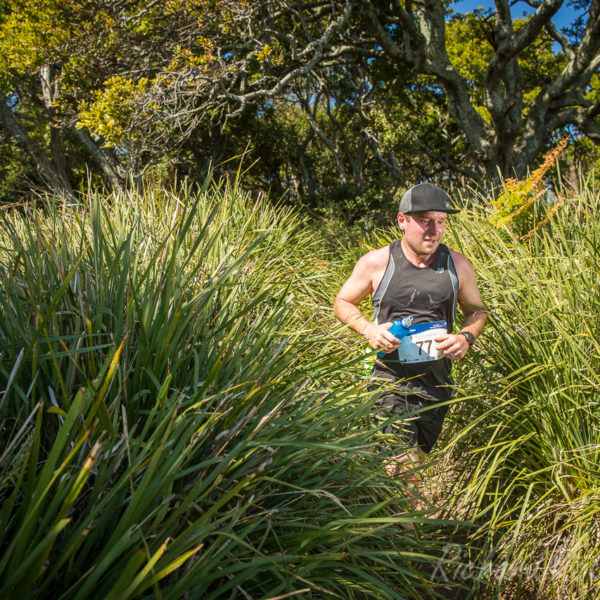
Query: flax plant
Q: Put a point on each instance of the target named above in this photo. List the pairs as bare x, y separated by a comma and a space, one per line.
520, 455
527, 436
177, 420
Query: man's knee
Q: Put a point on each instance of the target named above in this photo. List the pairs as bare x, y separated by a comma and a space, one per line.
405, 464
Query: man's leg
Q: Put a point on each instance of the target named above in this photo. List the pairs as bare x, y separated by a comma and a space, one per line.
401, 432
407, 466
406, 463
415, 426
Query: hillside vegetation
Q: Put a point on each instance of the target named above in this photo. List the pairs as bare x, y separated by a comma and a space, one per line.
182, 417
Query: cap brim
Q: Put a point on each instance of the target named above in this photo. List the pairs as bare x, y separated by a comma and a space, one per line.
451, 211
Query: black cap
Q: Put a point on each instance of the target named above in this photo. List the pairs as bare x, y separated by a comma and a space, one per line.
426, 196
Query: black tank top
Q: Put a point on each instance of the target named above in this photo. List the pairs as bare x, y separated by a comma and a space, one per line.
427, 294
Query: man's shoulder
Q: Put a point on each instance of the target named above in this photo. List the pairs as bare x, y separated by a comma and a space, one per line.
462, 264
376, 259
458, 258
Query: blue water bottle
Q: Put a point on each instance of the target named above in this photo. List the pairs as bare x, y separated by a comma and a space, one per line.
399, 328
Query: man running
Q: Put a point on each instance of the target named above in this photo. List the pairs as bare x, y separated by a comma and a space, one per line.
419, 277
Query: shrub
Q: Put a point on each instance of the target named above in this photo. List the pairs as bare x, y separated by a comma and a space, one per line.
177, 419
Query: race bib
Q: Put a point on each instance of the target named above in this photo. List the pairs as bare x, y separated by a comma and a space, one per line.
418, 344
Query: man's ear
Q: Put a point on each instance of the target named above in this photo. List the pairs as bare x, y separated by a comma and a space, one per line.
402, 218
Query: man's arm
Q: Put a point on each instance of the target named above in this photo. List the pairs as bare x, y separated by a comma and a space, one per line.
471, 303
469, 297
368, 270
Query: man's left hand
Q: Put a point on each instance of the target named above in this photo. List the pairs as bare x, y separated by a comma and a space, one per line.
453, 346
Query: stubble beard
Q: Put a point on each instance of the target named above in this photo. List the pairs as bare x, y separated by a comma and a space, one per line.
421, 253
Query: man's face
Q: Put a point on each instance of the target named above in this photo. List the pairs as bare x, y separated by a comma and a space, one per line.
423, 231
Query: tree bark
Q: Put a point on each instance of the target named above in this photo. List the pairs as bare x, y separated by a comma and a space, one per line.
108, 164
515, 137
53, 176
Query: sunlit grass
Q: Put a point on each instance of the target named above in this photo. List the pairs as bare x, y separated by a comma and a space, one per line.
181, 414
520, 456
529, 437
178, 417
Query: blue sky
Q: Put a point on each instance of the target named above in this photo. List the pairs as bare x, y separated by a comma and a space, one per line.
564, 16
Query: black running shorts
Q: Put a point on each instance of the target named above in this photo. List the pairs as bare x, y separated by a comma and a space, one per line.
417, 417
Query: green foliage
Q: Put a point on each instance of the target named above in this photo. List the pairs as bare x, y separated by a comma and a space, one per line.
519, 206
529, 444
469, 48
30, 34
194, 83
469, 42
110, 112
177, 417
13, 169
584, 164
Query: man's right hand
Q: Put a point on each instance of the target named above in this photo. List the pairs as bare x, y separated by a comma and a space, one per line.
380, 338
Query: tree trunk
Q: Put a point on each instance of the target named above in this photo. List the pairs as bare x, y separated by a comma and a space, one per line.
54, 177
107, 163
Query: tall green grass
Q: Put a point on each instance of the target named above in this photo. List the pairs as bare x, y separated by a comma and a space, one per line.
520, 454
178, 419
528, 441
